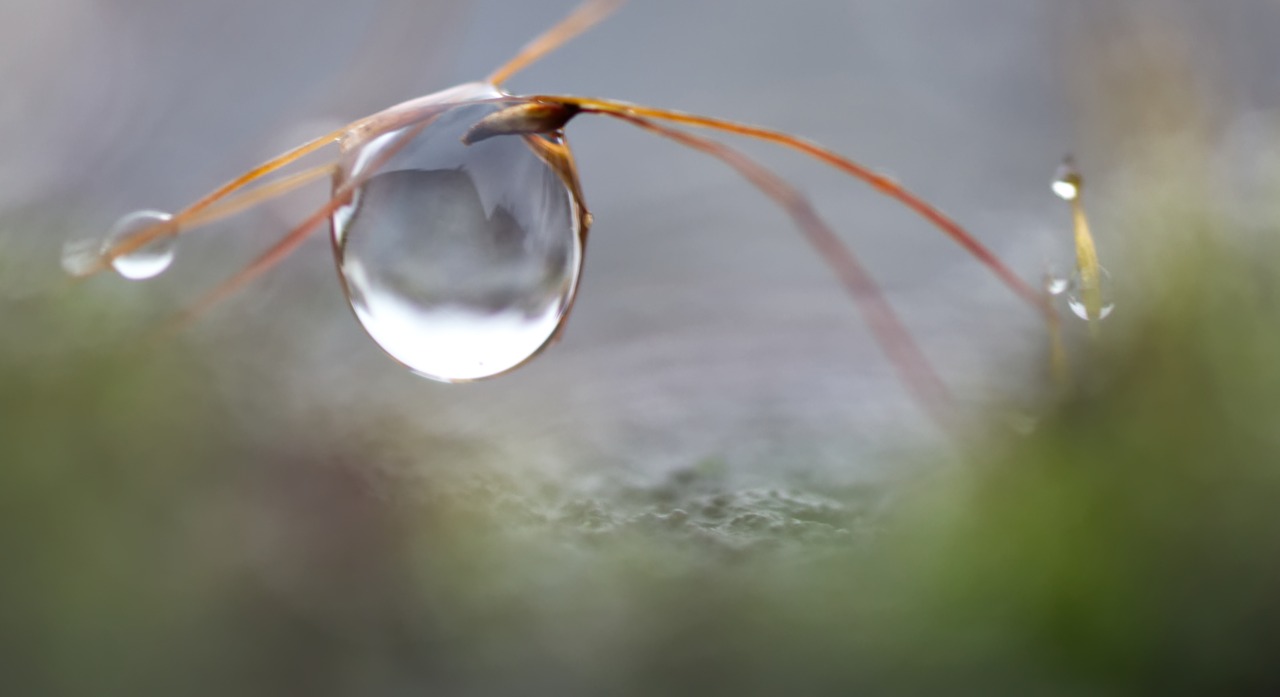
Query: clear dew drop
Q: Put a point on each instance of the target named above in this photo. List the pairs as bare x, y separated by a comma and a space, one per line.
459, 261
1075, 296
1065, 189
1067, 182
149, 260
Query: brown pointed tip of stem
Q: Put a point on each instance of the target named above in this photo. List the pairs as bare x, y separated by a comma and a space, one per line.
1069, 168
1069, 174
529, 118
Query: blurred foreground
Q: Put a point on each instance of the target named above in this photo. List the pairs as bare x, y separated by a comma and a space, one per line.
1127, 545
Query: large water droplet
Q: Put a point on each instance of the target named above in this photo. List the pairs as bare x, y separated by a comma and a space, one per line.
1077, 294
147, 261
459, 261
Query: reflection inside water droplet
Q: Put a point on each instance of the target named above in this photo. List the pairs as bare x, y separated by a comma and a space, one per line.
459, 261
1076, 298
147, 261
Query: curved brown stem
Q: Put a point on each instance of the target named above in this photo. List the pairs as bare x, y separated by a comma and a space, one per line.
877, 181
290, 242
237, 204
202, 212
587, 15
894, 338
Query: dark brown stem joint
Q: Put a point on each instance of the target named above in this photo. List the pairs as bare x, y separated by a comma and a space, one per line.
529, 118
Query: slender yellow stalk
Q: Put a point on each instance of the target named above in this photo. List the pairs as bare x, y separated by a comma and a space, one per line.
1090, 272
1069, 185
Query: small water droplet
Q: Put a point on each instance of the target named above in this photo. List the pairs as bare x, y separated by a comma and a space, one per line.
147, 261
1066, 190
1067, 181
459, 261
1076, 296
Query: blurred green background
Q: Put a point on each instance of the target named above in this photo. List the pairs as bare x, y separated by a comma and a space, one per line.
664, 503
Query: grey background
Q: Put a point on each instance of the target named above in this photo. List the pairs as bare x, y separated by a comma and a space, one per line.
705, 328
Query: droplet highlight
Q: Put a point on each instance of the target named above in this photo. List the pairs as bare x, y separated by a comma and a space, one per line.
148, 260
1078, 293
459, 261
1067, 181
1055, 282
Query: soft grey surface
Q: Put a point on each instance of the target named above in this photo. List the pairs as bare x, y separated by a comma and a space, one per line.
705, 328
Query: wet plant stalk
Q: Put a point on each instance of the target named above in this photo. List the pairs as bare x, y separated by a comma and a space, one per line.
1087, 265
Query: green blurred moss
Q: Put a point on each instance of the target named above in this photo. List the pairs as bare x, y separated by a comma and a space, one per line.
1127, 545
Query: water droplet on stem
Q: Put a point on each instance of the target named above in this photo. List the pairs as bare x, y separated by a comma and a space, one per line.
1067, 181
459, 261
1078, 296
147, 261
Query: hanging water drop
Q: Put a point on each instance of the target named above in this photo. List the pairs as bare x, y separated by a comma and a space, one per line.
459, 261
147, 261
1077, 297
